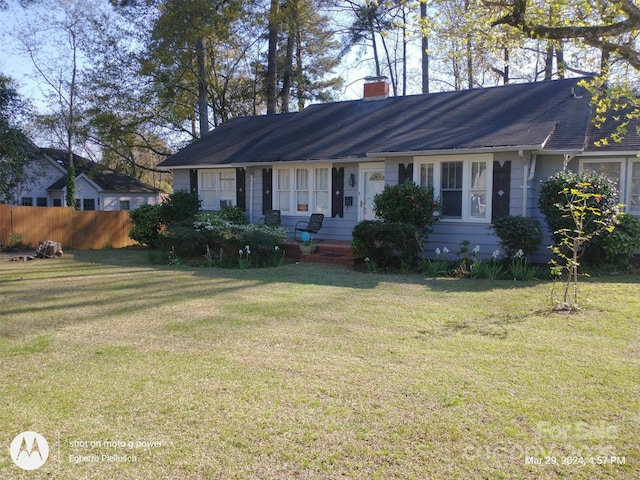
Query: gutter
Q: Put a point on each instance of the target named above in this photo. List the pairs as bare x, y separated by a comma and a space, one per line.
621, 153
267, 164
457, 151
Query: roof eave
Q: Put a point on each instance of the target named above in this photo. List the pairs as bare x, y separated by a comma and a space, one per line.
620, 153
456, 151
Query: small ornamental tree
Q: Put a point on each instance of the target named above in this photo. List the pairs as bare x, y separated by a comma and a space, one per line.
407, 203
585, 215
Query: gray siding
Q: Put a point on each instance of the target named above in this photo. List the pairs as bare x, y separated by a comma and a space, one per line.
332, 228
181, 180
450, 235
546, 166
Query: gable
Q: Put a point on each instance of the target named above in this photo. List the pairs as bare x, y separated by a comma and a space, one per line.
105, 179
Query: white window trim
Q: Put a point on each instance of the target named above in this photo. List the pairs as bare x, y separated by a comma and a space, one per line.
216, 190
80, 202
293, 207
467, 161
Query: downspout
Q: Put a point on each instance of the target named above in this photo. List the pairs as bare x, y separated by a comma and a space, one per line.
525, 182
251, 198
567, 159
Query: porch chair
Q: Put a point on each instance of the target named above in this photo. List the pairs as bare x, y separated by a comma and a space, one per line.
311, 226
271, 218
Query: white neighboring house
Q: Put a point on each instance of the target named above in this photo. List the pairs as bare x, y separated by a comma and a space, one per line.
97, 188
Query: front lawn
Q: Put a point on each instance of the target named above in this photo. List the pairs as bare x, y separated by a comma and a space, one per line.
132, 370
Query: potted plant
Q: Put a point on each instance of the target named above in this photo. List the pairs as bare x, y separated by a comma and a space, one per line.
307, 246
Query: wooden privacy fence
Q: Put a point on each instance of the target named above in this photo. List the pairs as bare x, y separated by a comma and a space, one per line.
74, 229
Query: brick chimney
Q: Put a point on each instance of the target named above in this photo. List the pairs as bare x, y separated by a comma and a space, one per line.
376, 88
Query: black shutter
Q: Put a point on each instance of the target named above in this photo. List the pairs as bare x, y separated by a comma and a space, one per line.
267, 184
193, 181
241, 179
405, 172
337, 197
501, 189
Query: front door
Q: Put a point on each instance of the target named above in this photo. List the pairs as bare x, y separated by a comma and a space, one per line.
371, 183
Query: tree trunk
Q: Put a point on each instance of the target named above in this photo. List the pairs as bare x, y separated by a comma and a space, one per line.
404, 52
71, 171
272, 58
203, 97
548, 64
285, 92
469, 53
300, 83
425, 49
505, 76
560, 65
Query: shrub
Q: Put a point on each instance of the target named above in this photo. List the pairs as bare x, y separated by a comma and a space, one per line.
226, 215
146, 225
182, 239
179, 206
518, 233
407, 203
600, 192
381, 242
227, 240
233, 215
621, 242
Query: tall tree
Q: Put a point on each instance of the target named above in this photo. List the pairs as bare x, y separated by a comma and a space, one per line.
67, 24
424, 46
14, 145
306, 56
272, 57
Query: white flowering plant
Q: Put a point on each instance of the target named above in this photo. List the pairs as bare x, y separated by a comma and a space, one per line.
437, 267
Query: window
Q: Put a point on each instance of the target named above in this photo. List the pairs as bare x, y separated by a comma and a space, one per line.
283, 189
88, 204
451, 189
42, 202
461, 183
26, 201
57, 202
478, 190
612, 169
634, 188
217, 189
302, 190
125, 205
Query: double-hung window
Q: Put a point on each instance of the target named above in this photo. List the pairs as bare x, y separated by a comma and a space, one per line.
302, 190
624, 173
611, 168
217, 188
634, 187
463, 185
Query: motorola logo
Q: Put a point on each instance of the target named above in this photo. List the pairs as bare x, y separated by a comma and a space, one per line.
29, 450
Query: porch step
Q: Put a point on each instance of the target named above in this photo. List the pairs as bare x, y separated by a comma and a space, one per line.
328, 251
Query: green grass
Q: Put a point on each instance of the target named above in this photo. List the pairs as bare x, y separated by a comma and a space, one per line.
311, 371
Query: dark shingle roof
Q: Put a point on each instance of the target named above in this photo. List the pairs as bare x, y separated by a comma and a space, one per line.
629, 142
228, 141
553, 114
109, 180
